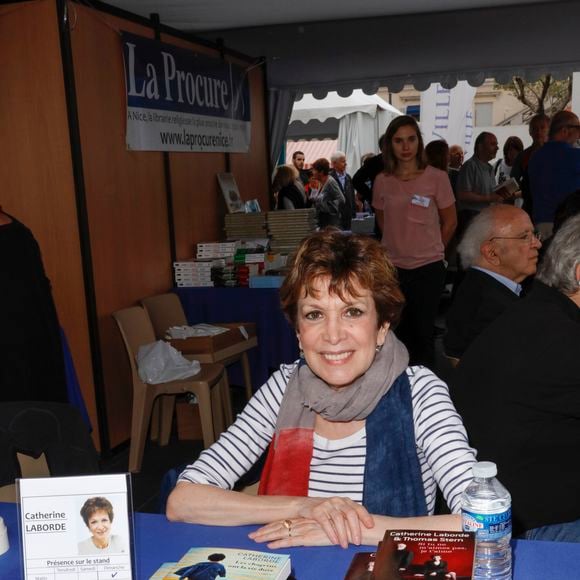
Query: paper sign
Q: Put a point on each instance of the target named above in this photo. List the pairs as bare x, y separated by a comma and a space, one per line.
76, 527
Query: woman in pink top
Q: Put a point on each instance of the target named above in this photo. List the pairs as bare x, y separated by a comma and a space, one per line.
415, 208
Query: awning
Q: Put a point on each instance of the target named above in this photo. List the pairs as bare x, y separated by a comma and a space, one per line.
312, 150
333, 106
497, 42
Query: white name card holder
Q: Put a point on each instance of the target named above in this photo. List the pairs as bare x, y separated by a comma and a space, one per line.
77, 528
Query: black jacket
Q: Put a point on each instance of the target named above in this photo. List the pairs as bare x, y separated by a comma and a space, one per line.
479, 300
518, 390
366, 175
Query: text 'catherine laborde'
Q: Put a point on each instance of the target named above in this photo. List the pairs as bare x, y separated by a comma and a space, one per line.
45, 522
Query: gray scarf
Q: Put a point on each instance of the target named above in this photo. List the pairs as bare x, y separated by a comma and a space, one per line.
307, 395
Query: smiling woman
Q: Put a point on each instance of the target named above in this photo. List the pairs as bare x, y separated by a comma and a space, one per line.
97, 513
356, 440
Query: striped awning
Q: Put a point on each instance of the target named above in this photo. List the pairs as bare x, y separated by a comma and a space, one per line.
313, 150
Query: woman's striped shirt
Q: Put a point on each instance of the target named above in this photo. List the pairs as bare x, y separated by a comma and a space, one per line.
337, 466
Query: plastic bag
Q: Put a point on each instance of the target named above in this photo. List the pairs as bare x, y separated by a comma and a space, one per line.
159, 362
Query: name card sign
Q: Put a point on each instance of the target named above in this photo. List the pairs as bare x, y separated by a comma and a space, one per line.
76, 527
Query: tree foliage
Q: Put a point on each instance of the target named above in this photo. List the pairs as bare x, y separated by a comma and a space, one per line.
545, 95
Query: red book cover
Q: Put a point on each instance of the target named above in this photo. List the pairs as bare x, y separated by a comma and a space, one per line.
425, 554
361, 567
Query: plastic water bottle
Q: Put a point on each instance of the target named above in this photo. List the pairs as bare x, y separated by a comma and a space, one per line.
486, 510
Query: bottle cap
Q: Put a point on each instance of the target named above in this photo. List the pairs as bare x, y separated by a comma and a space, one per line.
484, 469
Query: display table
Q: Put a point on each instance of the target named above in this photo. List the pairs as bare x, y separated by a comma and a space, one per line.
158, 541
276, 340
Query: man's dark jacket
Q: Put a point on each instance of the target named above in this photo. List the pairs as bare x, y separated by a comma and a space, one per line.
349, 208
479, 300
518, 390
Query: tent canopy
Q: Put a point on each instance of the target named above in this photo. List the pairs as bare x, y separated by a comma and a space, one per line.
333, 106
361, 120
337, 45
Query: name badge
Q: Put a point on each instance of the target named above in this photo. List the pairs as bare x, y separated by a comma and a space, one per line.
420, 200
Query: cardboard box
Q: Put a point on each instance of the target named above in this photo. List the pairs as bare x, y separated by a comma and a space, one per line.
207, 344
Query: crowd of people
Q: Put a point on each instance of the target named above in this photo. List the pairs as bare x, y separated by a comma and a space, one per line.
359, 432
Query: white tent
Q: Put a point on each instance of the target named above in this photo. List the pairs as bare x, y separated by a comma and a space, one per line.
362, 119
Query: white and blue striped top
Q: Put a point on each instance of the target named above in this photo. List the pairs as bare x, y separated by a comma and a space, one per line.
337, 466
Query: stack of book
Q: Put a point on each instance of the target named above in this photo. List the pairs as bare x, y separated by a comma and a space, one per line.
207, 250
288, 228
225, 275
193, 273
245, 225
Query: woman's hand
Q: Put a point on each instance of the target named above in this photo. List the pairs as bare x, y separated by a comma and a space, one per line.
291, 533
339, 517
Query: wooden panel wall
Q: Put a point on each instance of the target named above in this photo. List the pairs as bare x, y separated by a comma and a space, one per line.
198, 207
126, 201
126, 194
35, 164
251, 169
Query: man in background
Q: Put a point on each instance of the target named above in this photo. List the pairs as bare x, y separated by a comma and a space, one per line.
344, 180
298, 162
455, 163
554, 170
499, 250
539, 127
476, 180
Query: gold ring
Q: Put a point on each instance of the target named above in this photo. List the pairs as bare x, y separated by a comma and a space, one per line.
287, 524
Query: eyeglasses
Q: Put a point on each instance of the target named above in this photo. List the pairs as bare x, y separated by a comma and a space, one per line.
528, 237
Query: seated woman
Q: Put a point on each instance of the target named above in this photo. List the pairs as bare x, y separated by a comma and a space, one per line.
357, 440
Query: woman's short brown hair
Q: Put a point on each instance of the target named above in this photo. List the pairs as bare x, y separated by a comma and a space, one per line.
96, 504
322, 165
348, 260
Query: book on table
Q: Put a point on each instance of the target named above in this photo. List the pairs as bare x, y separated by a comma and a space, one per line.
228, 563
405, 554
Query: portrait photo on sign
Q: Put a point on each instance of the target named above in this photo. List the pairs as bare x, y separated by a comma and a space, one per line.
103, 525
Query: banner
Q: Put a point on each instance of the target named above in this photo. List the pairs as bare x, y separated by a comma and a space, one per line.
448, 114
178, 100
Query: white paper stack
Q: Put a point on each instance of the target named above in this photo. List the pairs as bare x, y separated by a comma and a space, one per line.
212, 250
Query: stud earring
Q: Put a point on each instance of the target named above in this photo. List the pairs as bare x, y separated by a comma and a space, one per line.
378, 348
301, 353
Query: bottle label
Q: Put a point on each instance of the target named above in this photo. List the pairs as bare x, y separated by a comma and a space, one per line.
488, 526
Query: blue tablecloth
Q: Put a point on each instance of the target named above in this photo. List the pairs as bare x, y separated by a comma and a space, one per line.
276, 340
158, 541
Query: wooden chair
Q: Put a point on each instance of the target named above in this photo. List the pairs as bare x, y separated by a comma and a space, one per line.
136, 330
165, 310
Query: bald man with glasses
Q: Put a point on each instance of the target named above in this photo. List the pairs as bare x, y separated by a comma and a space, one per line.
554, 170
500, 250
